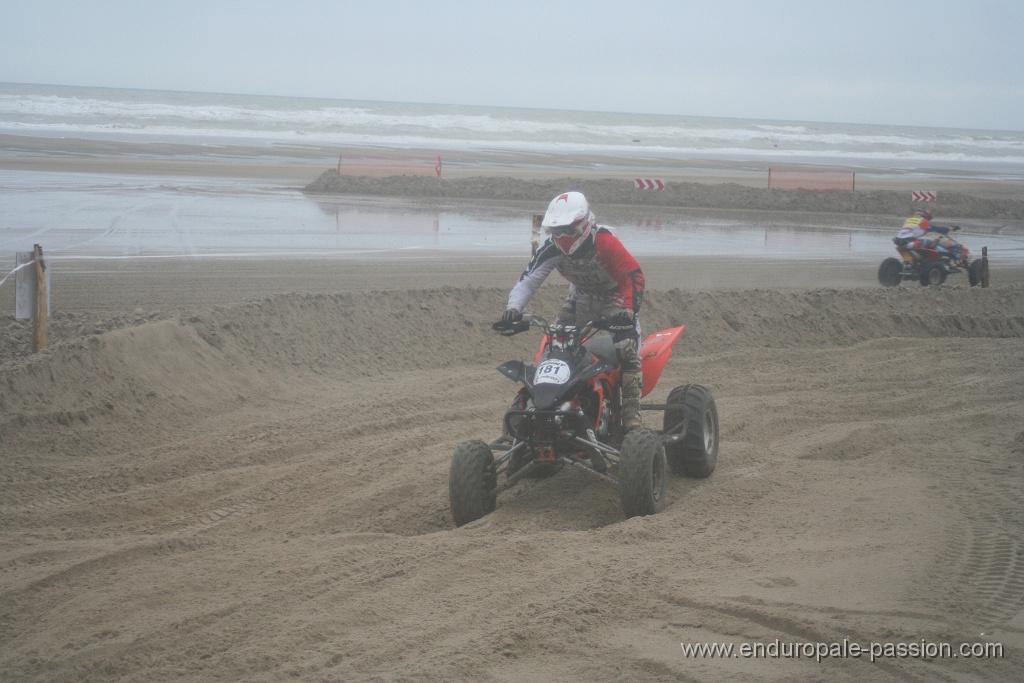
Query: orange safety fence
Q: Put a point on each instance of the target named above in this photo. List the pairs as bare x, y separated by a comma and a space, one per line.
382, 167
811, 181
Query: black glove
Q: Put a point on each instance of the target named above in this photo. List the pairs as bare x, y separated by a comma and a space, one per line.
511, 323
955, 227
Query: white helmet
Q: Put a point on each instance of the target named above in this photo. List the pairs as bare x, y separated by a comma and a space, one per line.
569, 221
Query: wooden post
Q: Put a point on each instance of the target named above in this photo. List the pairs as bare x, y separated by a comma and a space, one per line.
984, 266
41, 309
535, 238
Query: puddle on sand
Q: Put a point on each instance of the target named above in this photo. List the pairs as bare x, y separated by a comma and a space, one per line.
94, 215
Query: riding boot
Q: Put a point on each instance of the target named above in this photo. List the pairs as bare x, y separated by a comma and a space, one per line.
632, 387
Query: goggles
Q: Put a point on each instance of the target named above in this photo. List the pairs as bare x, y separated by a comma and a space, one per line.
570, 230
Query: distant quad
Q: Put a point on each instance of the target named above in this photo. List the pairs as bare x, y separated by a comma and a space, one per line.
567, 412
929, 265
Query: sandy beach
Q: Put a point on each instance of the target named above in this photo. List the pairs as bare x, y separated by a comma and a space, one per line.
235, 469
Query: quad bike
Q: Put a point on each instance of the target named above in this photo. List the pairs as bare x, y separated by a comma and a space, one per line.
927, 262
568, 412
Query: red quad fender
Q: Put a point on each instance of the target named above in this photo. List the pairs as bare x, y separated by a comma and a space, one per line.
655, 352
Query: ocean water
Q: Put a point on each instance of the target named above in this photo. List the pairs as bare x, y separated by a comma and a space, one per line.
248, 119
107, 216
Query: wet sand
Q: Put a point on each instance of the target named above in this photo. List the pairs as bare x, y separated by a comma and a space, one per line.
84, 289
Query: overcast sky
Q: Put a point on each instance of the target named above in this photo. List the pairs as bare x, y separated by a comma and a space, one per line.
936, 63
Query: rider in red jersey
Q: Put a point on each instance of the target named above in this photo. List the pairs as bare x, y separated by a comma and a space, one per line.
604, 281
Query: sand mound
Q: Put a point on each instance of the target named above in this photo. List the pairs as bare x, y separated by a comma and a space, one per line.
677, 194
259, 492
361, 335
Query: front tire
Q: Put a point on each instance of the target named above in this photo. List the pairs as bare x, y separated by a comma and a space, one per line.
642, 473
933, 274
696, 454
889, 273
471, 482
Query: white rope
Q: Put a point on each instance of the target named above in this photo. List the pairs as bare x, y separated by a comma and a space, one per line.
16, 270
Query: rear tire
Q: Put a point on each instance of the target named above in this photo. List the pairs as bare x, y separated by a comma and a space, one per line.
471, 482
642, 473
974, 272
671, 420
889, 273
933, 274
696, 454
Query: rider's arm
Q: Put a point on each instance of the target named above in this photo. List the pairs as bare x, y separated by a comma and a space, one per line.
623, 268
541, 265
928, 226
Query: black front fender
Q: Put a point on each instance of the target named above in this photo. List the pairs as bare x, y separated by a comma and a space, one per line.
518, 371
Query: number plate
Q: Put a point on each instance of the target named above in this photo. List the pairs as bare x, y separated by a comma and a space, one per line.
552, 372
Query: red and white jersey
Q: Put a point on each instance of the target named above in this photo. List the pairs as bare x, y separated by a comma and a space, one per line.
601, 268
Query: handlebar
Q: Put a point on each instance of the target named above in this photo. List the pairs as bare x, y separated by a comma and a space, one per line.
528, 320
585, 331
507, 329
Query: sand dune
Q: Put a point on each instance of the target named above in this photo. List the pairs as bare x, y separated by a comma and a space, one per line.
258, 491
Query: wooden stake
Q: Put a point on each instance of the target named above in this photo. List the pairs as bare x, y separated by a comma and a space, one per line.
39, 318
984, 266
